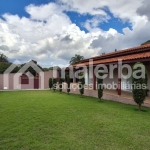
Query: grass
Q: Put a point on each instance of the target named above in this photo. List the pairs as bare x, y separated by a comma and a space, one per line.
44, 120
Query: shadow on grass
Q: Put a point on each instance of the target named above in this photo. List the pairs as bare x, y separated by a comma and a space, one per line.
100, 101
142, 110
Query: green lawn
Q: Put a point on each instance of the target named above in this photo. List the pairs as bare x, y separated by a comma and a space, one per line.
44, 120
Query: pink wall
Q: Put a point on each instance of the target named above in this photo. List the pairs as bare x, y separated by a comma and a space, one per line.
47, 75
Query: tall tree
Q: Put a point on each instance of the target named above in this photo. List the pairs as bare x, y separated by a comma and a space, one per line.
100, 86
54, 84
81, 84
139, 85
60, 84
75, 59
50, 83
3, 58
68, 84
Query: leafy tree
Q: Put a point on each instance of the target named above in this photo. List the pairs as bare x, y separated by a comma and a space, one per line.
54, 68
68, 84
81, 84
147, 42
5, 65
75, 59
139, 86
66, 76
60, 84
3, 58
45, 69
100, 86
31, 70
54, 84
50, 83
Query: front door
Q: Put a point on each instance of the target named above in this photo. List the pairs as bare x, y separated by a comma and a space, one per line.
36, 83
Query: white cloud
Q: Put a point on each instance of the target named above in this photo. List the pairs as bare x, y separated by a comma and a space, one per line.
143, 10
95, 21
50, 37
122, 9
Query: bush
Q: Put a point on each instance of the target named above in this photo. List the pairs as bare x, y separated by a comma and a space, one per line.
54, 84
100, 86
138, 90
81, 84
60, 84
50, 83
68, 84
66, 76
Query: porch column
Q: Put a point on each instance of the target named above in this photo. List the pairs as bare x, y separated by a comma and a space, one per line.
119, 79
94, 80
119, 86
74, 78
86, 76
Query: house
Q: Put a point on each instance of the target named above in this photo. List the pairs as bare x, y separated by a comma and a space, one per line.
26, 79
127, 58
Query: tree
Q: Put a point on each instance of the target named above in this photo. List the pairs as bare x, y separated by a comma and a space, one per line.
60, 85
139, 85
100, 86
68, 84
5, 65
54, 68
3, 58
50, 83
81, 84
45, 69
66, 76
147, 42
75, 59
30, 69
54, 84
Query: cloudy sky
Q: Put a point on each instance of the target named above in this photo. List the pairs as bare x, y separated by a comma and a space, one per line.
52, 31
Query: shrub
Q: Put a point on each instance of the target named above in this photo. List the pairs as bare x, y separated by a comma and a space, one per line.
50, 83
54, 84
139, 86
68, 84
66, 76
60, 84
100, 86
81, 84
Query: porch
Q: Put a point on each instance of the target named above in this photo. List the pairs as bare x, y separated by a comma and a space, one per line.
125, 97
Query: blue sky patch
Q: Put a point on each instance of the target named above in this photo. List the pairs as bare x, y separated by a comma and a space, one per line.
18, 7
113, 22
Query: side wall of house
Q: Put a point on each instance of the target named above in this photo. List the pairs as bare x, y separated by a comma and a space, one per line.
1, 81
111, 80
47, 75
12, 84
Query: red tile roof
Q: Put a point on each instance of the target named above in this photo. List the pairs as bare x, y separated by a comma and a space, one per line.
134, 53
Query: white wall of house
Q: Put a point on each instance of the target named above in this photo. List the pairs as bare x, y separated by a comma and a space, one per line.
90, 79
111, 81
126, 83
86, 76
